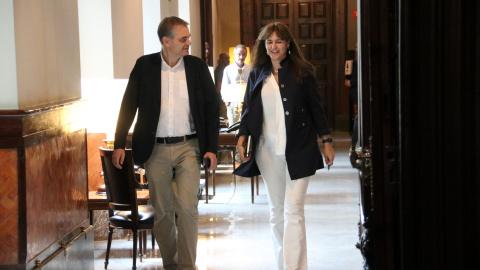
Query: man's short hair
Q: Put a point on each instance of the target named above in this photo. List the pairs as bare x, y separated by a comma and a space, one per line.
238, 47
165, 28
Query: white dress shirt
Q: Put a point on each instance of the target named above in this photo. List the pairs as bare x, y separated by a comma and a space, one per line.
231, 75
175, 116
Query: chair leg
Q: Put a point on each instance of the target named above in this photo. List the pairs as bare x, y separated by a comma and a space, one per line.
109, 244
206, 185
252, 180
153, 242
213, 181
140, 245
134, 254
144, 234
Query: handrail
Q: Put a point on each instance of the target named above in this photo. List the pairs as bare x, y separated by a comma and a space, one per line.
63, 247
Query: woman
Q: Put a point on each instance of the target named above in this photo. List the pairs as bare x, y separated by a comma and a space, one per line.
283, 115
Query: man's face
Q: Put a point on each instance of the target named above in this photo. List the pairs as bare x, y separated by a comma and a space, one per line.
240, 55
179, 45
225, 59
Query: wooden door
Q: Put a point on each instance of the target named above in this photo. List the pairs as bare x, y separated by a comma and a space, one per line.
420, 123
311, 24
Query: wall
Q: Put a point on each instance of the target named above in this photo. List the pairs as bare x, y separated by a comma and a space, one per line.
8, 65
48, 52
227, 32
351, 25
127, 30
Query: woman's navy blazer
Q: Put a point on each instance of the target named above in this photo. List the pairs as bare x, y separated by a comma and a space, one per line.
142, 97
304, 119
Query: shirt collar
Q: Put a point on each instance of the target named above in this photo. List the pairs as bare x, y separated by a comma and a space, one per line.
166, 66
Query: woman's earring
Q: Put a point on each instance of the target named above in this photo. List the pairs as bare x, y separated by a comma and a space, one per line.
289, 51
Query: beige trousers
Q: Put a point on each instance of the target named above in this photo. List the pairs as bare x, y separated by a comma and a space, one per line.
173, 174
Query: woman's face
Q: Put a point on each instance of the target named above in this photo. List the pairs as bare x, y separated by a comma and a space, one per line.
276, 48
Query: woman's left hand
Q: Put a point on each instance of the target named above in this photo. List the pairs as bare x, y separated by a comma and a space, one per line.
241, 148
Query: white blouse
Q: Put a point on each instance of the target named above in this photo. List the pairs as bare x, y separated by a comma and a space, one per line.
274, 135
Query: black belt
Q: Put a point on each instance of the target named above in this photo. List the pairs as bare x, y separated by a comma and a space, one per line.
172, 140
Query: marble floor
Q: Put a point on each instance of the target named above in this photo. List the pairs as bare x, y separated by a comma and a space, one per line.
234, 233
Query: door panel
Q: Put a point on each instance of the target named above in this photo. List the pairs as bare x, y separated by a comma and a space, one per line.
311, 25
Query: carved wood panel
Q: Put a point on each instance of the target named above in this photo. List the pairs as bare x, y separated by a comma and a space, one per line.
274, 10
8, 207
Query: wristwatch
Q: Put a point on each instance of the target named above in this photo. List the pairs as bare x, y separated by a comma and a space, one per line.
329, 140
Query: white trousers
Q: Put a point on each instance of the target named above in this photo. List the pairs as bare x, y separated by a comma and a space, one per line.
286, 199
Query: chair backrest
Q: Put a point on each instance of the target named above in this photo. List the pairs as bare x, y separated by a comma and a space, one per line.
120, 184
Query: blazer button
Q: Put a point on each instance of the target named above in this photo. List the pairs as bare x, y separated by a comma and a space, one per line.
284, 99
287, 113
303, 124
282, 85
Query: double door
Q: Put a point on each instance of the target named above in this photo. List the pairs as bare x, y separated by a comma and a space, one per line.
311, 24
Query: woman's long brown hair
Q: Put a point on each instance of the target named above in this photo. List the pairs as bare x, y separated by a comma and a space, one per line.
259, 54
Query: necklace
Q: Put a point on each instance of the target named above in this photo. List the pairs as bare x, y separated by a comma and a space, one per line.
276, 71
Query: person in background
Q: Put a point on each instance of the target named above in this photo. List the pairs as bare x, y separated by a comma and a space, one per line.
176, 128
283, 116
237, 72
222, 63
351, 81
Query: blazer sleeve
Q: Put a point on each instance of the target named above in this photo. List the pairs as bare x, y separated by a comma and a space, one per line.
128, 108
315, 106
243, 130
211, 111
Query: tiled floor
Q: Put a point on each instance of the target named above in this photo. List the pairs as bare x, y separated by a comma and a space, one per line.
234, 234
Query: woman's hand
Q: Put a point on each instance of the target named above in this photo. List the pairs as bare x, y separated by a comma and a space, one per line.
328, 153
241, 148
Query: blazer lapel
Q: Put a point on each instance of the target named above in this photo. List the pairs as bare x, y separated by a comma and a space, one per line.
189, 74
157, 73
264, 73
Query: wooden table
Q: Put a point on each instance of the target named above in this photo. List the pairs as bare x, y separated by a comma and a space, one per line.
229, 139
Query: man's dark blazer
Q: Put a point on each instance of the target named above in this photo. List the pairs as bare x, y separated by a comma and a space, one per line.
143, 95
304, 119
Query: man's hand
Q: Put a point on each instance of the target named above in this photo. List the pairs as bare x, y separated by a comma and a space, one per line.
347, 83
118, 157
213, 160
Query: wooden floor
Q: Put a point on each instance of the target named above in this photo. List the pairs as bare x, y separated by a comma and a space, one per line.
234, 233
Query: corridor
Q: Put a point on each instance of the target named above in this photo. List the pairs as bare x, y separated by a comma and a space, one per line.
234, 233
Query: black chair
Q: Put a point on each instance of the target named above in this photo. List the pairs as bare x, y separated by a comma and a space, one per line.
124, 212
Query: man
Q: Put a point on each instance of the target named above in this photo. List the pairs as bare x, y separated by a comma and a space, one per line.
177, 127
237, 72
351, 81
223, 61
